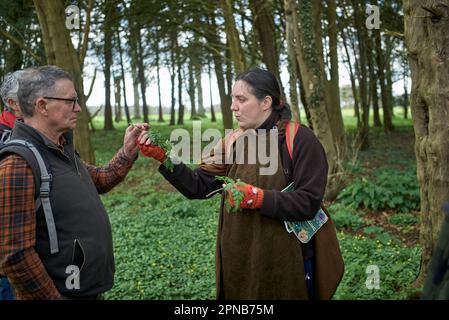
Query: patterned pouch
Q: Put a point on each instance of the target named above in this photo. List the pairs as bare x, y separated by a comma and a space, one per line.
304, 230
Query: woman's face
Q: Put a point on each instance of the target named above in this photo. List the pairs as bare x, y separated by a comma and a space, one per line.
249, 111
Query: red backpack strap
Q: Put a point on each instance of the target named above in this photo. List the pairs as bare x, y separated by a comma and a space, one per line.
291, 128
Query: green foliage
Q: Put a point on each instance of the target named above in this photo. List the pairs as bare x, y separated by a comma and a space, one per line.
158, 139
346, 217
230, 186
398, 267
403, 219
379, 234
390, 189
164, 246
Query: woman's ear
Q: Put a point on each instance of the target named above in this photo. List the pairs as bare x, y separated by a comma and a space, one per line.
267, 103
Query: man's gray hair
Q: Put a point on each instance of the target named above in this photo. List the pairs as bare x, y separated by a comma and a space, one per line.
38, 83
9, 88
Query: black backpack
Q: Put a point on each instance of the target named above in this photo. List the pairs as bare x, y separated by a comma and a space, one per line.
42, 177
436, 286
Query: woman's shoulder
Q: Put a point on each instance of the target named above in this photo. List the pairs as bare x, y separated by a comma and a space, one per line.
305, 133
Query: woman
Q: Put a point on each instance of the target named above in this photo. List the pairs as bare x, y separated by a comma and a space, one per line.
256, 258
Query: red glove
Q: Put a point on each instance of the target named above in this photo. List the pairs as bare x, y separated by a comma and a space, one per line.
152, 151
252, 197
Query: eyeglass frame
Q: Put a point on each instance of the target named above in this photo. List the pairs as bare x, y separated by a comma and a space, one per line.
74, 101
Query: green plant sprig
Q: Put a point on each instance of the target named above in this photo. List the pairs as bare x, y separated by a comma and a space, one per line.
159, 140
230, 185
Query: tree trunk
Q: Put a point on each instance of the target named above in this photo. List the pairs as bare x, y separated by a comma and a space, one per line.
292, 66
333, 107
60, 51
212, 111
107, 49
178, 57
199, 89
249, 38
141, 74
405, 100
312, 77
263, 23
172, 79
122, 70
135, 76
191, 90
235, 47
181, 105
213, 39
118, 99
427, 41
373, 87
355, 95
362, 38
388, 124
389, 75
158, 77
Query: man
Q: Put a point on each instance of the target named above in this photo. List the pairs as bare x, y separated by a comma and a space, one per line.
82, 266
8, 93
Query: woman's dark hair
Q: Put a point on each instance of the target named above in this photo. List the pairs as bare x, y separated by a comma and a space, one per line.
263, 83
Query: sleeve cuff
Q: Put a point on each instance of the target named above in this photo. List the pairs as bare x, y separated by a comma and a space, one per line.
124, 158
268, 208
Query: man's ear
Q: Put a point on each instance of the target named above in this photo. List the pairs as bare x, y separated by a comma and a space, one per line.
267, 103
14, 106
41, 106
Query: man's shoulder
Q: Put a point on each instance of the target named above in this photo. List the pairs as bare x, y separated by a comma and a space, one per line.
13, 159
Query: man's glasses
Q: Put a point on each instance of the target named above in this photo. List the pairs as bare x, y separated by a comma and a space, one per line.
74, 101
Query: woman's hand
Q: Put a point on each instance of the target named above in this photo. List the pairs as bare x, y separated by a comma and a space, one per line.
252, 196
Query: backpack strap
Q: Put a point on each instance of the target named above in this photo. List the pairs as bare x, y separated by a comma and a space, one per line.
291, 128
5, 135
44, 188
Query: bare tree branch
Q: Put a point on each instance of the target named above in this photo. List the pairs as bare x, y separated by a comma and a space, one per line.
20, 44
91, 85
83, 49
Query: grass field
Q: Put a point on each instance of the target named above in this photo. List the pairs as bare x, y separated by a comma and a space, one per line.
165, 244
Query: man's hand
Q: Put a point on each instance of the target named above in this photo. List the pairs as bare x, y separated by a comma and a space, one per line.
134, 134
252, 196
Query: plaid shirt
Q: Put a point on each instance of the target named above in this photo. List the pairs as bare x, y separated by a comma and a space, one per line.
18, 258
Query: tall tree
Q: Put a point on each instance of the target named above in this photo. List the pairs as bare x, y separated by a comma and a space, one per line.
215, 47
381, 63
333, 85
60, 51
363, 49
212, 111
427, 40
264, 25
292, 66
232, 35
158, 76
122, 70
109, 20
312, 75
118, 99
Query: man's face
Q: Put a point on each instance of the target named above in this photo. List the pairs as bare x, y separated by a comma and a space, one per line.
62, 114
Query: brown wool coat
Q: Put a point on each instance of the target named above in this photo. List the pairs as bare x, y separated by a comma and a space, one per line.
257, 258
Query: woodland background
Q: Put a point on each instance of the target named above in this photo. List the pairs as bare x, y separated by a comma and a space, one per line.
375, 94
